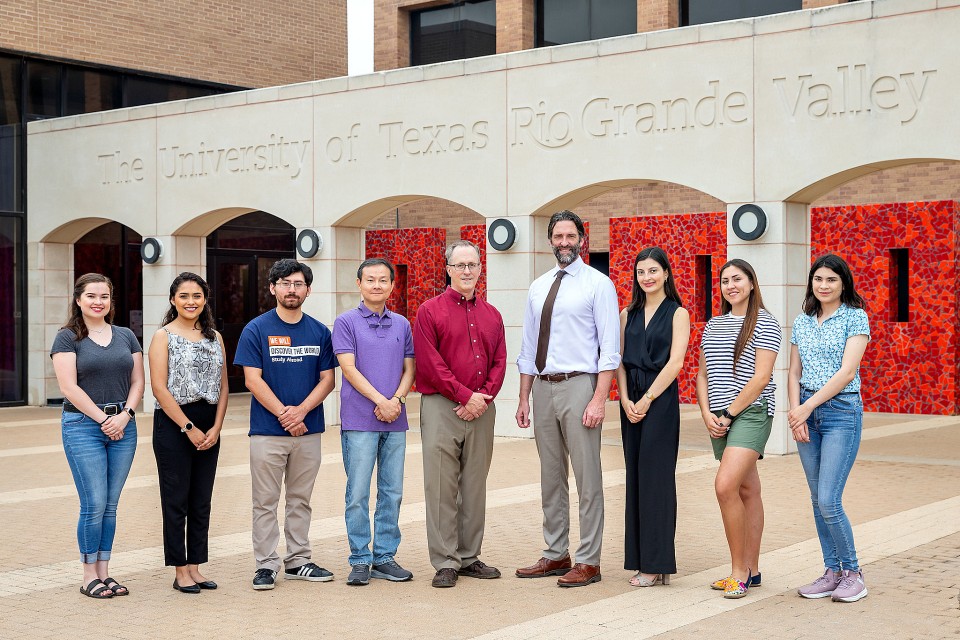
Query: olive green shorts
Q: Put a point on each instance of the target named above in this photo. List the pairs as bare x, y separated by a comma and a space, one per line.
750, 430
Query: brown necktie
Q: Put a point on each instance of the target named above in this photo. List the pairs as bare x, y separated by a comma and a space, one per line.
543, 341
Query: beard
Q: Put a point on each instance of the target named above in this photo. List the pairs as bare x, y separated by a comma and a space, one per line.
568, 258
290, 302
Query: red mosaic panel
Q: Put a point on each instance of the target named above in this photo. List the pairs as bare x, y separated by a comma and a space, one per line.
421, 252
909, 367
683, 237
477, 234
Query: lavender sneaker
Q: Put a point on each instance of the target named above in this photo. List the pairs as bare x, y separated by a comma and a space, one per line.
822, 587
851, 587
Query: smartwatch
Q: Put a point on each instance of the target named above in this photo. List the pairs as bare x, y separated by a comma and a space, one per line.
130, 412
186, 427
401, 399
727, 414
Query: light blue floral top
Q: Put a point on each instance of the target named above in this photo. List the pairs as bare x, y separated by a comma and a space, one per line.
821, 345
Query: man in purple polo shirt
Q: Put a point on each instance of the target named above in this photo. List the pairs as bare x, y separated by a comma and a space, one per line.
375, 351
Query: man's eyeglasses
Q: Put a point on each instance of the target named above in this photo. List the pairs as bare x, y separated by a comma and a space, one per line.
283, 285
473, 266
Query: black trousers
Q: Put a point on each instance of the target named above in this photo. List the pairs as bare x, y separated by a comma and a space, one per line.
186, 484
650, 449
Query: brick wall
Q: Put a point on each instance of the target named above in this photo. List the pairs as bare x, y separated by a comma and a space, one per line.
816, 4
653, 15
243, 42
515, 25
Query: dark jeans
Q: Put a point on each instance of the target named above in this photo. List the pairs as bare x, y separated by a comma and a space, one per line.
186, 484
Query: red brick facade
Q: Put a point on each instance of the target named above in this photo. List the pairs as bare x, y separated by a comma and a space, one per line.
244, 42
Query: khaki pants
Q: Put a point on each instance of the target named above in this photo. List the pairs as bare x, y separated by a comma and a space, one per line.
558, 429
295, 462
456, 459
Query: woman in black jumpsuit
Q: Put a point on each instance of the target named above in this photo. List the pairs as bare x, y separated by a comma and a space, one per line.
655, 331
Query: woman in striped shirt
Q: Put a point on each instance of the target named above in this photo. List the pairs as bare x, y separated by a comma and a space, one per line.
735, 391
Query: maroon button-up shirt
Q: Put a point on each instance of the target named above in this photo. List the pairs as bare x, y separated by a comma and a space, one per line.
460, 347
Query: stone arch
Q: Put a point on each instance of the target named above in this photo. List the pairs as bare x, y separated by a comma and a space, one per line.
70, 232
827, 183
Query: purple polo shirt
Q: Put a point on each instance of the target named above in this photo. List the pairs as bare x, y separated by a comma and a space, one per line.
379, 344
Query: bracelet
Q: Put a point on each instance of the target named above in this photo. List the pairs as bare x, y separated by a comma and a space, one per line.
104, 420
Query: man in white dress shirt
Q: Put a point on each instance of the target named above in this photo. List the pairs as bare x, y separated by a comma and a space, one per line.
569, 353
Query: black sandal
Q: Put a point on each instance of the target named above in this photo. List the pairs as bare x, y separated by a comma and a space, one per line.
97, 593
113, 585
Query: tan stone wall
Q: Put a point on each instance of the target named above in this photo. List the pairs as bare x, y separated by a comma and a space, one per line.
244, 42
925, 181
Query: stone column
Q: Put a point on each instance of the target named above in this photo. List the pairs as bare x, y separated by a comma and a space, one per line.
509, 274
180, 253
49, 289
781, 258
334, 288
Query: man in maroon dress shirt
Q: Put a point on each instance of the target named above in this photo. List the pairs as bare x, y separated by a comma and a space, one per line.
461, 360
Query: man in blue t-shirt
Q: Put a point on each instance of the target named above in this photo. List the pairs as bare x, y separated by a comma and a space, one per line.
287, 359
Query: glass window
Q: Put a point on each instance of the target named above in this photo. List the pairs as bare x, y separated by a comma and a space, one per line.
43, 90
12, 277
10, 168
140, 90
453, 32
566, 21
704, 11
9, 90
89, 90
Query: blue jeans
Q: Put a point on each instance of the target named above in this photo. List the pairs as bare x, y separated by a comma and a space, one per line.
99, 466
361, 450
835, 428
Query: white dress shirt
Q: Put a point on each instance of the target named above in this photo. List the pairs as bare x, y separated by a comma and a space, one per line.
585, 330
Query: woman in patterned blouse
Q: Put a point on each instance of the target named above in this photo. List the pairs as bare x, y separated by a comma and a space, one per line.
189, 382
826, 415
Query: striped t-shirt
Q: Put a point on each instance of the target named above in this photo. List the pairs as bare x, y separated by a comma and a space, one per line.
717, 345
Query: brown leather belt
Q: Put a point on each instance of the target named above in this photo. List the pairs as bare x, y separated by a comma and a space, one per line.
560, 377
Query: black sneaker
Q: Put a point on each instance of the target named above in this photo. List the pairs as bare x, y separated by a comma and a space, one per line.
264, 579
359, 575
310, 572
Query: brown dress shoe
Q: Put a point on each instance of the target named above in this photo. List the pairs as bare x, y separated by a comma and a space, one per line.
445, 577
580, 576
479, 570
545, 567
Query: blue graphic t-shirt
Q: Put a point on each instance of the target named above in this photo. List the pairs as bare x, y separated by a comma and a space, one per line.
291, 357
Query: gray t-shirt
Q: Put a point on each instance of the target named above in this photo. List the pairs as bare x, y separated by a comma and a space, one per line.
102, 372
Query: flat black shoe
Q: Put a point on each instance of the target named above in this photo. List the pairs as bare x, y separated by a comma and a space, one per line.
190, 588
207, 584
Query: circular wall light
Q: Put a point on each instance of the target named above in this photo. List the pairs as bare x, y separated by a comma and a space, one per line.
502, 234
749, 222
151, 250
309, 243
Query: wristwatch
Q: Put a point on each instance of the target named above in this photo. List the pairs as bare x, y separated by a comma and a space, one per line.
650, 396
727, 414
186, 427
130, 412
401, 399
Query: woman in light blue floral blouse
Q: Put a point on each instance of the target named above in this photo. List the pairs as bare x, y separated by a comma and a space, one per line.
826, 415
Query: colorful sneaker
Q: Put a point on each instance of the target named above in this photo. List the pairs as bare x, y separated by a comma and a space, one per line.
822, 587
851, 587
721, 584
310, 572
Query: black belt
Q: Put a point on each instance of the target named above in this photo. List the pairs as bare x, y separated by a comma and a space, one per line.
111, 408
560, 377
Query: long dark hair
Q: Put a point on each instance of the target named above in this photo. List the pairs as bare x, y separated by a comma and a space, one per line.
753, 306
848, 294
204, 321
639, 298
74, 316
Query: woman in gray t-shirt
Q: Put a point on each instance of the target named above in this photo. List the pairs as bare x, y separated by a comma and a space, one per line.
99, 368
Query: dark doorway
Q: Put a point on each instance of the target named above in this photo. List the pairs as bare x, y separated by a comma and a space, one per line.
114, 250
239, 256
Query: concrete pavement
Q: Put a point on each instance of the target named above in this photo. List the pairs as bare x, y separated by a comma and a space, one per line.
903, 499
